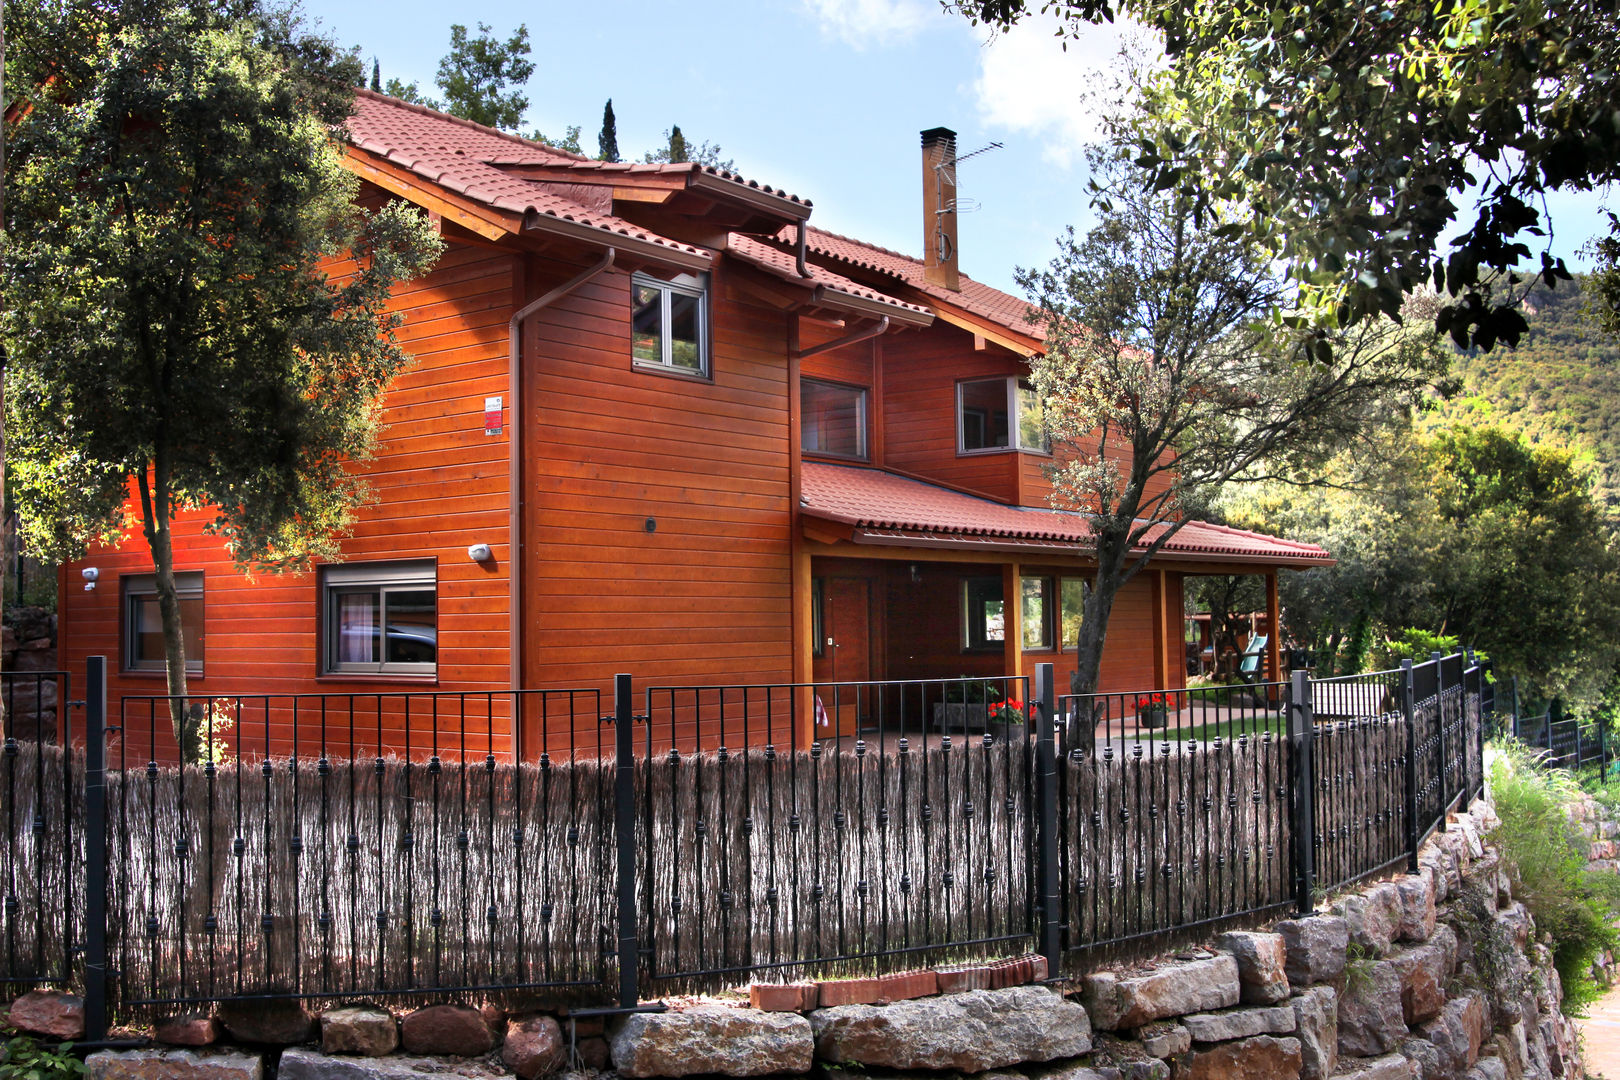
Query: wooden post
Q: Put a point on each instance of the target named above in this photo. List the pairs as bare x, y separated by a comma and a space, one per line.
1274, 634
1161, 663
1012, 622
804, 701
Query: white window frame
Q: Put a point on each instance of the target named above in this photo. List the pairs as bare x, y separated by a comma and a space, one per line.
865, 452
1014, 428
187, 583
683, 285
382, 578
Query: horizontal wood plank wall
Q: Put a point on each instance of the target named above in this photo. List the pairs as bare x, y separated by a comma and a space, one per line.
703, 595
439, 484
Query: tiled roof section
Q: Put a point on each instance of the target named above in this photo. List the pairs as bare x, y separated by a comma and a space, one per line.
455, 154
783, 264
897, 506
637, 168
975, 297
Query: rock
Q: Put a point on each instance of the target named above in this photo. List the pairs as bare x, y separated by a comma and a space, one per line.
1515, 922
192, 1029
1240, 1023
301, 1064
1388, 1067
1417, 907
1071, 1071
1162, 1040
45, 1013
1314, 949
172, 1065
1488, 1069
1371, 1020
1457, 1033
1373, 917
446, 1029
1262, 976
274, 1021
1316, 1024
714, 1039
1424, 1057
359, 1029
1116, 1002
1259, 1058
1424, 971
533, 1047
593, 1052
969, 1032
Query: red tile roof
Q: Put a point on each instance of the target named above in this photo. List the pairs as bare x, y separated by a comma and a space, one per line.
784, 265
888, 508
975, 297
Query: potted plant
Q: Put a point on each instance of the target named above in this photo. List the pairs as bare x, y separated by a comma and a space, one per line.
1007, 714
967, 704
1152, 710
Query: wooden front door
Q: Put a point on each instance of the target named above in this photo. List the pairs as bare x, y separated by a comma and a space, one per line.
846, 651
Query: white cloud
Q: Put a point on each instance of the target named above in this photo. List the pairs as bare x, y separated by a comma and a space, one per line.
872, 22
1029, 84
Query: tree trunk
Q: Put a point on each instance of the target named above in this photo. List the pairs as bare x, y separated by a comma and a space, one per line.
155, 509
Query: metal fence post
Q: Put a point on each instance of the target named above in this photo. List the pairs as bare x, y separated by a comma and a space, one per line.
95, 849
1409, 711
624, 826
1301, 734
1046, 867
1440, 730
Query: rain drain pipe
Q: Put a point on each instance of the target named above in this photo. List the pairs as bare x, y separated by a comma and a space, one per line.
514, 556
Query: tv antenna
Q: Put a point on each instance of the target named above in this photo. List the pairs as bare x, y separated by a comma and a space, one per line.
946, 174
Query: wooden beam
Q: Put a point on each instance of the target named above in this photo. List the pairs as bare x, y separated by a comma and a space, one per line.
825, 532
1161, 667
1273, 637
978, 343
642, 195
1011, 620
490, 224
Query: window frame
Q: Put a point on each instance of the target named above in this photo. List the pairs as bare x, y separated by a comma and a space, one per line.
975, 628
384, 577
1063, 644
1047, 595
1015, 441
862, 422
187, 583
692, 285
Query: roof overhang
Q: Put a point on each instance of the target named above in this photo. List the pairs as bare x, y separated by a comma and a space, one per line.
962, 541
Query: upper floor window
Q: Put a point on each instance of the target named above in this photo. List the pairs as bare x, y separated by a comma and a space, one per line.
1000, 414
832, 419
669, 323
380, 618
143, 622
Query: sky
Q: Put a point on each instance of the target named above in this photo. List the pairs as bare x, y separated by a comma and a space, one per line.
824, 98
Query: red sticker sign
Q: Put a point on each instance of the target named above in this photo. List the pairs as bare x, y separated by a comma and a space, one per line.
492, 416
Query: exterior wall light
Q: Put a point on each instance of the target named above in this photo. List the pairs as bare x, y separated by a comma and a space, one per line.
90, 574
479, 553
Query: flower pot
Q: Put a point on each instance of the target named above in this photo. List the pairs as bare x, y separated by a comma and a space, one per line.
1153, 718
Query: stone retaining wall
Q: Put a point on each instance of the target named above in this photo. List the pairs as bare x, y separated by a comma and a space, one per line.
1432, 976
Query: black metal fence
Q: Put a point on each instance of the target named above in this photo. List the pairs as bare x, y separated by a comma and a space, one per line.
1568, 743
339, 846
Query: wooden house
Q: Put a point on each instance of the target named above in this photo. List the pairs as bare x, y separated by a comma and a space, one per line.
658, 424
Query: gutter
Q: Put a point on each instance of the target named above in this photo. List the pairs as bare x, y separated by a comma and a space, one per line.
848, 339
514, 554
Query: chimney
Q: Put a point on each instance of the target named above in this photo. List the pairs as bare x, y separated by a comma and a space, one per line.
939, 207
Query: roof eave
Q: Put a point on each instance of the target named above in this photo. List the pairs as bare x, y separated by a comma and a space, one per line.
827, 296
775, 206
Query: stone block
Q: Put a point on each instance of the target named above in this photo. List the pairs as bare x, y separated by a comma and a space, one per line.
1424, 971
458, 1030
1424, 1057
273, 1022
1515, 921
191, 1029
1316, 1025
969, 1032
784, 997
42, 1012
905, 985
1314, 949
1115, 1001
1261, 960
173, 1065
713, 1039
958, 978
1417, 907
1371, 1019
1259, 1058
831, 992
1457, 1034
359, 1029
1164, 1040
1240, 1023
299, 1063
1488, 1069
533, 1047
593, 1052
1372, 917
1388, 1067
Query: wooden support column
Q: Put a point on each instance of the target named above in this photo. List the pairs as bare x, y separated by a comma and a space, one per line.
804, 700
1012, 611
1274, 628
1161, 664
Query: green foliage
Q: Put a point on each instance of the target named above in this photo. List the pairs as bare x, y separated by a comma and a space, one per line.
607, 140
677, 149
475, 74
1544, 852
1412, 643
1339, 136
407, 91
171, 323
26, 1059
569, 142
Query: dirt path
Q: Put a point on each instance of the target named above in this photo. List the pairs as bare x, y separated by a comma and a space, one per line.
1601, 1034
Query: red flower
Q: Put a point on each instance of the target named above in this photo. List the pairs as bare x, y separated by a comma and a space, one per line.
1150, 701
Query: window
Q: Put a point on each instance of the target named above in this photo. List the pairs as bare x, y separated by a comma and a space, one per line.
380, 618
983, 407
1035, 613
143, 622
984, 617
669, 323
832, 419
1074, 603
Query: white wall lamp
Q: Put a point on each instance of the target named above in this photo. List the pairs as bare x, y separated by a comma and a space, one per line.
479, 553
90, 574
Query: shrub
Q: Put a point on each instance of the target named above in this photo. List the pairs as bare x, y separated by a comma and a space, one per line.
25, 1059
1546, 855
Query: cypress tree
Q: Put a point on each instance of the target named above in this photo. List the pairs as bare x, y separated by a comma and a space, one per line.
677, 146
607, 142
376, 75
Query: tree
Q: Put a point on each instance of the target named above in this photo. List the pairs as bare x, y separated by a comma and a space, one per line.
376, 75
607, 140
175, 337
677, 149
408, 91
1229, 598
569, 142
1347, 133
1163, 380
476, 72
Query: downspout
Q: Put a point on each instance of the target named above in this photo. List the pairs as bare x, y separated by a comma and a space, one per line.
880, 327
514, 555
804, 271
